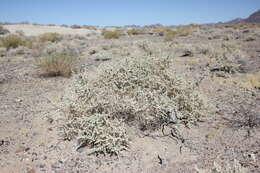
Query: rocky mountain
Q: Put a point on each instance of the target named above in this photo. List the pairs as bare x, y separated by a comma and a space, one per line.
253, 18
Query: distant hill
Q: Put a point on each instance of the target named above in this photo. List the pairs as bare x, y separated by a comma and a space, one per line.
236, 21
253, 18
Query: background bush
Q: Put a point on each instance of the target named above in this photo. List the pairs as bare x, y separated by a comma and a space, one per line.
52, 37
13, 41
57, 60
134, 31
111, 34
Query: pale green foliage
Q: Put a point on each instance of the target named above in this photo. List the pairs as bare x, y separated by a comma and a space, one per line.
98, 131
144, 92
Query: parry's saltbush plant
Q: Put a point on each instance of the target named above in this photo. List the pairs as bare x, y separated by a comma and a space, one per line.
144, 92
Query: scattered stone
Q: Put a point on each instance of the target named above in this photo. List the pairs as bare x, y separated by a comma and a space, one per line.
18, 100
42, 166
187, 53
22, 149
2, 142
50, 120
92, 52
102, 59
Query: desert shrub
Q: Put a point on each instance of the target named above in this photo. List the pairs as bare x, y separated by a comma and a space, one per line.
184, 31
24, 23
134, 31
161, 30
57, 61
170, 35
20, 33
90, 27
52, 37
75, 26
13, 41
225, 58
63, 25
57, 64
146, 47
111, 34
141, 92
234, 167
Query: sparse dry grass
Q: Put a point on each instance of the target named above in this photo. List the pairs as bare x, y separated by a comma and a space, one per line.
57, 64
57, 60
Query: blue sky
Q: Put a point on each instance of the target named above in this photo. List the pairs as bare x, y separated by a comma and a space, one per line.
124, 12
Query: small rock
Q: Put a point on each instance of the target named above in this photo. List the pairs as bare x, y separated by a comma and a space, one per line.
92, 52
187, 53
42, 166
22, 149
50, 120
19, 150
18, 100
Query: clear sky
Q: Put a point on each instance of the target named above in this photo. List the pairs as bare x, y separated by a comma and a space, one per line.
125, 12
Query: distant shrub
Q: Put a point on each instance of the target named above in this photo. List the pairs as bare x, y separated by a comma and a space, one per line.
24, 22
90, 27
20, 33
134, 31
57, 64
52, 37
161, 30
141, 92
76, 27
13, 41
57, 61
170, 35
63, 25
111, 34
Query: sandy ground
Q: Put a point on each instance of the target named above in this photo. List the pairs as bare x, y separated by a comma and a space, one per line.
34, 30
32, 114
